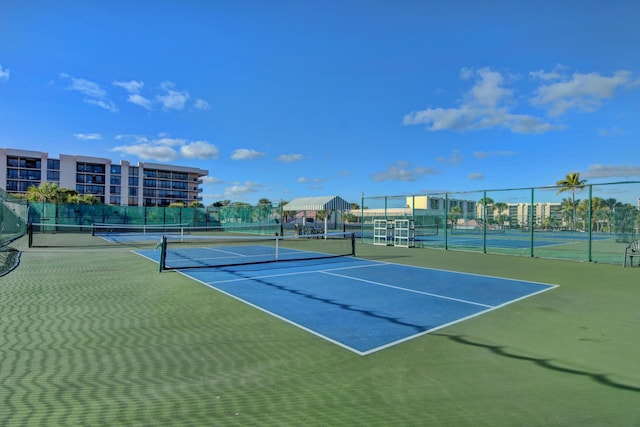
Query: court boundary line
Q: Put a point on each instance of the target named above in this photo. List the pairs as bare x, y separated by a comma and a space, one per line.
369, 263
264, 310
405, 289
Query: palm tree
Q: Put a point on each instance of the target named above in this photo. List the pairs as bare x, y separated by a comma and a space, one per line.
571, 182
568, 207
501, 217
455, 213
47, 192
485, 202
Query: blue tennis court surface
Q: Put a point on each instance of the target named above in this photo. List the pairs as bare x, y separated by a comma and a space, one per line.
362, 305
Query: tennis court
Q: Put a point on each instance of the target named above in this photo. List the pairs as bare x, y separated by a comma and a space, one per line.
94, 335
361, 305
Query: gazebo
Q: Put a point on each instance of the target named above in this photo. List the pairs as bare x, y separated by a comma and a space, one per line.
323, 203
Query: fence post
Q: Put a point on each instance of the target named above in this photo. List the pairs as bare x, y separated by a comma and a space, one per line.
590, 226
446, 220
531, 222
484, 222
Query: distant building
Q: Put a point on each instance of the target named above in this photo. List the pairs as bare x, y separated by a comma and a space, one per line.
144, 184
520, 213
437, 203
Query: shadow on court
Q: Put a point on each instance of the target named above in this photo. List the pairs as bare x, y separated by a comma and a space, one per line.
554, 365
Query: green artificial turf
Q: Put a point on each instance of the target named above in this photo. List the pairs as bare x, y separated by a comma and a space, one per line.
97, 337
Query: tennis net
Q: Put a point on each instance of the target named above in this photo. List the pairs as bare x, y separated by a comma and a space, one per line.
101, 234
198, 251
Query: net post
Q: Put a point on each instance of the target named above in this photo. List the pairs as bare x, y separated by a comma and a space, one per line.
30, 234
163, 253
353, 244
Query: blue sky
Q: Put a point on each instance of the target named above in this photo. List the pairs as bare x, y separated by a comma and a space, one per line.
287, 99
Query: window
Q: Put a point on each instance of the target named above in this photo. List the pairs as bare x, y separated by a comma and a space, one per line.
53, 164
115, 179
53, 175
116, 169
180, 175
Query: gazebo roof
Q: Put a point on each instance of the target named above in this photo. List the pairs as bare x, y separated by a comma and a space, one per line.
326, 203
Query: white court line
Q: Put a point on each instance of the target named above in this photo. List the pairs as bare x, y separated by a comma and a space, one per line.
330, 272
407, 290
293, 273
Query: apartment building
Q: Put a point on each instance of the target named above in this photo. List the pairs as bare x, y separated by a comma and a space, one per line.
438, 203
142, 184
521, 213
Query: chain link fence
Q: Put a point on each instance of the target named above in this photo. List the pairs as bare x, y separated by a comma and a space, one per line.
593, 223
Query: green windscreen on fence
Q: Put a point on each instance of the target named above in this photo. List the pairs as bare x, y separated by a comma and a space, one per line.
13, 224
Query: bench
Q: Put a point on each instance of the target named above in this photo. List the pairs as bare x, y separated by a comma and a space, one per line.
632, 251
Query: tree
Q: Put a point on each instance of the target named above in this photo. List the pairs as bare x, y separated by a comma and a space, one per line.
455, 213
264, 201
501, 217
571, 182
485, 202
568, 207
47, 192
82, 199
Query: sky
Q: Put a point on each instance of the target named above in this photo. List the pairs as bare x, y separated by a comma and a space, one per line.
287, 99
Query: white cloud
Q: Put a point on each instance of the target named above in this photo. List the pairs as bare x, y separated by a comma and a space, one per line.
172, 99
401, 171
486, 105
582, 92
288, 158
237, 190
246, 154
201, 104
305, 180
610, 132
199, 149
557, 73
485, 154
165, 148
95, 94
149, 151
106, 104
86, 87
475, 176
131, 86
455, 159
140, 100
87, 136
610, 171
211, 180
5, 73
